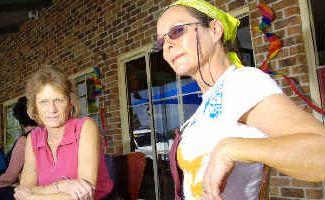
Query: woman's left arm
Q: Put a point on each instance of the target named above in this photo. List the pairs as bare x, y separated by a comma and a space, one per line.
88, 154
296, 144
88, 162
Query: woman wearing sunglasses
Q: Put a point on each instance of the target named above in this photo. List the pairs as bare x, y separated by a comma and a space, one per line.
244, 118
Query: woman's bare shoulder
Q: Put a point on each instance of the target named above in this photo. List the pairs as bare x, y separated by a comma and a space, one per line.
278, 115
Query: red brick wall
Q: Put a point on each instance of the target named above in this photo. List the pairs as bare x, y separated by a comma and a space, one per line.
291, 61
292, 58
75, 35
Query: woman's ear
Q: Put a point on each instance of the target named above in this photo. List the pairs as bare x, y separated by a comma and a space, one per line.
216, 29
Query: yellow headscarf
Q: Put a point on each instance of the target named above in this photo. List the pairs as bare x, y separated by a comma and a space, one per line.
229, 23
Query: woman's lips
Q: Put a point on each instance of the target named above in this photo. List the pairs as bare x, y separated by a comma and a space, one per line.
52, 118
177, 57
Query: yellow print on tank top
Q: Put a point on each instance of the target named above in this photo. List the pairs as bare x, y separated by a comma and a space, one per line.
192, 167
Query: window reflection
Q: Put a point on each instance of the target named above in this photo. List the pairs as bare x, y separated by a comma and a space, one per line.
317, 8
244, 41
191, 96
137, 102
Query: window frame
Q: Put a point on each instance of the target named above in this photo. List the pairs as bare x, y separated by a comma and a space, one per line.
122, 87
125, 119
307, 33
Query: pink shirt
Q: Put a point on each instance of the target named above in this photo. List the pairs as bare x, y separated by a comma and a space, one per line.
16, 163
49, 171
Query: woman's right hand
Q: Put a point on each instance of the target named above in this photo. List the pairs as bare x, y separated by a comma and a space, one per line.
217, 172
78, 189
22, 193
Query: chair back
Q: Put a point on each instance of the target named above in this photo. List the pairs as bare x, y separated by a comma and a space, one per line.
136, 166
127, 174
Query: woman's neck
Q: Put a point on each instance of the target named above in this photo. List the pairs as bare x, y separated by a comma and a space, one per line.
212, 69
55, 134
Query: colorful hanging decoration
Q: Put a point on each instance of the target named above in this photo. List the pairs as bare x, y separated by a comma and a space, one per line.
94, 89
94, 85
275, 45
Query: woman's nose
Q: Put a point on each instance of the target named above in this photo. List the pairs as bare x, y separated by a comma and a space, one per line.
168, 42
53, 107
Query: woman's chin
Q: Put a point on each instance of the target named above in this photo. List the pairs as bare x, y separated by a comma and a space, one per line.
183, 73
53, 124
181, 70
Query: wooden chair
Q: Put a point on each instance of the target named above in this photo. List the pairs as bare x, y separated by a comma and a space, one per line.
136, 166
263, 191
127, 173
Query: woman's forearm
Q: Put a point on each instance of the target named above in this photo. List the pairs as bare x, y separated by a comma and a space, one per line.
58, 196
50, 192
301, 156
7, 180
73, 188
15, 165
48, 189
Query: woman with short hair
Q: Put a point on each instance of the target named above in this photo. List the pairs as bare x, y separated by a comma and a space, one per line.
63, 156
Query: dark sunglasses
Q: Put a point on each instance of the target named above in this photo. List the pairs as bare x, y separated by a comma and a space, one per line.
174, 33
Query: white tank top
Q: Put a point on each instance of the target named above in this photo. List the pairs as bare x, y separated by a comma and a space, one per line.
235, 93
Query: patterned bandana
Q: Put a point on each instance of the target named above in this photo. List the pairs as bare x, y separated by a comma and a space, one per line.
229, 23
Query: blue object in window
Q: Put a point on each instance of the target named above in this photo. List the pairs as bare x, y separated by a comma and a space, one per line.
190, 87
2, 161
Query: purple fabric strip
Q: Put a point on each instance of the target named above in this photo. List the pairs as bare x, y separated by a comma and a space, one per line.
175, 170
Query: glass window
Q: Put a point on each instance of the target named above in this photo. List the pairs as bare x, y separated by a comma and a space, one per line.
88, 88
12, 128
244, 40
173, 100
317, 8
191, 96
167, 92
165, 101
